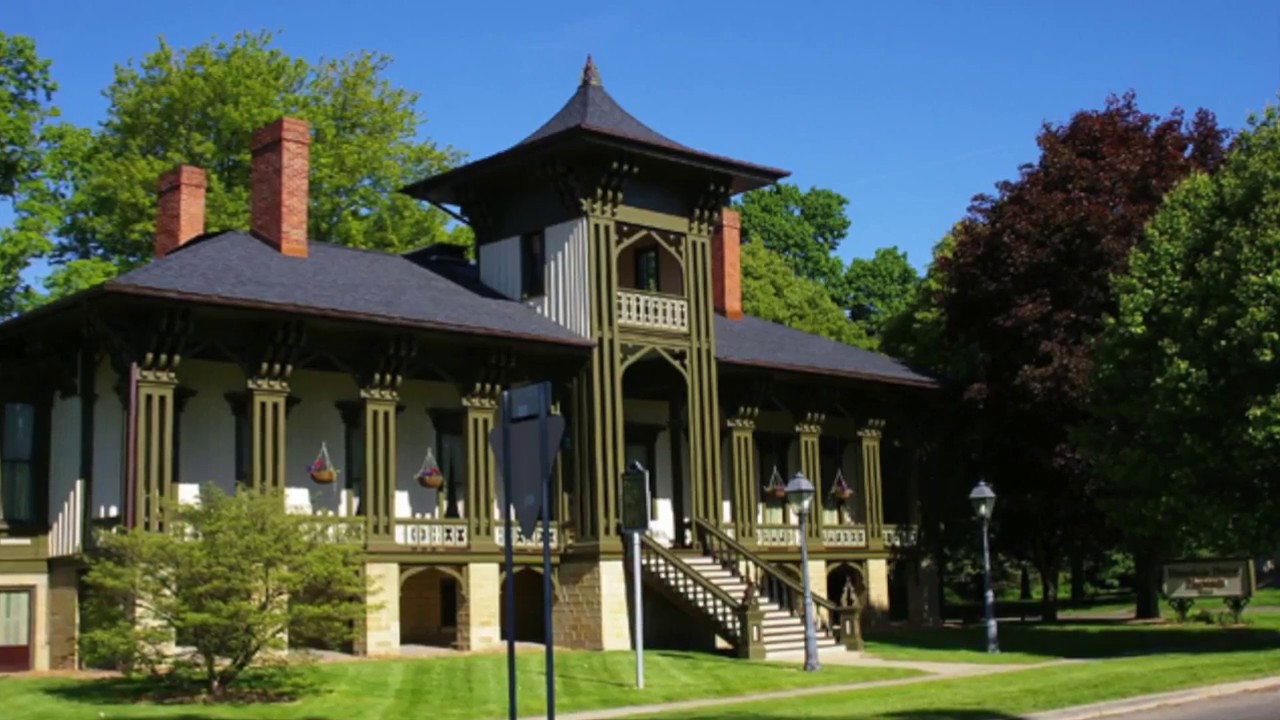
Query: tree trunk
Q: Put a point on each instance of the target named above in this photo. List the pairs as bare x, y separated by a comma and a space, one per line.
1049, 591
1077, 580
1146, 582
1025, 593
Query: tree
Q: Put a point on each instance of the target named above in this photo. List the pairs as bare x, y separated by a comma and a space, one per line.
1186, 405
230, 577
1028, 285
200, 106
26, 91
771, 290
804, 228
879, 288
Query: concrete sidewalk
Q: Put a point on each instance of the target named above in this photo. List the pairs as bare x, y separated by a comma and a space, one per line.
1159, 700
937, 671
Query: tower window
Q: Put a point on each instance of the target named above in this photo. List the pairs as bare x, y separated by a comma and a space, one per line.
532, 259
647, 270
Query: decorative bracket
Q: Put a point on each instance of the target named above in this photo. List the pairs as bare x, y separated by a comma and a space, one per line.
810, 423
706, 210
275, 365
607, 195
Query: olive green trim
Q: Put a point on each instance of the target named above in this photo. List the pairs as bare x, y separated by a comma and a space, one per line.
409, 557
480, 410
153, 446
379, 464
651, 218
872, 483
24, 567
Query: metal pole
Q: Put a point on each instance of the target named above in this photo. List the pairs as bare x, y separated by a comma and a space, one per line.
508, 541
639, 608
547, 598
810, 636
993, 644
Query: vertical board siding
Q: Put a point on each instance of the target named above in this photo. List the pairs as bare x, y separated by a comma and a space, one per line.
108, 446
500, 266
567, 301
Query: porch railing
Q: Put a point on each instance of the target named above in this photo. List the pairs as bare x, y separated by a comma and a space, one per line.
854, 536
653, 311
777, 535
771, 582
432, 532
899, 536
532, 543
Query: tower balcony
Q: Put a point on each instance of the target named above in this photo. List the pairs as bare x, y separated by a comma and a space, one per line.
653, 311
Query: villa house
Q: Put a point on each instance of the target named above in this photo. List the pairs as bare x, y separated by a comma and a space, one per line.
606, 262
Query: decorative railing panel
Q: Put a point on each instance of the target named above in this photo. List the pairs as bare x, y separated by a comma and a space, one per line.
653, 311
895, 536
844, 536
778, 535
531, 543
432, 532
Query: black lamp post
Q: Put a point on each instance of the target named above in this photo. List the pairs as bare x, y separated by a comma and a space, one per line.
984, 501
800, 494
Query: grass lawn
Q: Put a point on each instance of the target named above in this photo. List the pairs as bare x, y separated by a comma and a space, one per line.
1029, 643
1011, 694
470, 686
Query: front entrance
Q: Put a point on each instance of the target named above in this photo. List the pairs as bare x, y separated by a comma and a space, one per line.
15, 630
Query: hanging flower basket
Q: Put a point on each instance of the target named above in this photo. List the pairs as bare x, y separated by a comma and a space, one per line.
429, 475
321, 469
840, 489
775, 487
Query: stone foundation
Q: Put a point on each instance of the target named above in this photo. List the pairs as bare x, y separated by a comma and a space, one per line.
380, 633
64, 616
593, 612
478, 608
877, 590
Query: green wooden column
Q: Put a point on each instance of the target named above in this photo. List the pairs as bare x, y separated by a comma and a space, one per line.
704, 411
809, 431
268, 400
601, 450
154, 418
871, 482
379, 462
742, 459
480, 410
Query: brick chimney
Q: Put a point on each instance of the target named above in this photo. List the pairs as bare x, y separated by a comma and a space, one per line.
726, 265
281, 162
179, 208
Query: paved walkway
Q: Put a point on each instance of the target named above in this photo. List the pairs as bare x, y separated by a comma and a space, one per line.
938, 671
1167, 702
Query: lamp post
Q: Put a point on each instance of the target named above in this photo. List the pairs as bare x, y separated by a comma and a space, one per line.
984, 501
800, 494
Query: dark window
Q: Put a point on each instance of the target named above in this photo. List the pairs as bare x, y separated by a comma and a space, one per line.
647, 270
17, 463
532, 259
448, 603
243, 441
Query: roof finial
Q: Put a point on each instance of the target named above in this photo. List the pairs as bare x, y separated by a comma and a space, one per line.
590, 74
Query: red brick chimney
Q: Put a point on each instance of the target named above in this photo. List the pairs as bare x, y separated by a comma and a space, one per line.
726, 265
179, 208
281, 162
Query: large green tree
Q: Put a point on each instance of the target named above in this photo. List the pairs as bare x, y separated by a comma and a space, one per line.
803, 227
26, 93
200, 106
1186, 425
1028, 285
879, 288
773, 291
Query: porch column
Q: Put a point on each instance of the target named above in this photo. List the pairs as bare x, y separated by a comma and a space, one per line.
480, 410
379, 406
808, 431
153, 421
870, 437
742, 456
268, 396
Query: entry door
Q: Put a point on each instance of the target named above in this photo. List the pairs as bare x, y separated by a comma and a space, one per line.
15, 630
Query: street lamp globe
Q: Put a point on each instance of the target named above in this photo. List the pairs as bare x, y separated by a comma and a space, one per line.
983, 499
800, 493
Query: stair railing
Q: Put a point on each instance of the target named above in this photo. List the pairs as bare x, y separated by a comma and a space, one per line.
738, 620
771, 582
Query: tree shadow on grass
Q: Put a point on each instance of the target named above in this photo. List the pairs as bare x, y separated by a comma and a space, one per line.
1085, 641
260, 687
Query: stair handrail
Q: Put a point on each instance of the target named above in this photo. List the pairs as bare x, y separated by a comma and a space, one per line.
744, 613
773, 582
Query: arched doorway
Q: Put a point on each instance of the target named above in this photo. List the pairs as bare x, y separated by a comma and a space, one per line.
428, 607
530, 625
845, 581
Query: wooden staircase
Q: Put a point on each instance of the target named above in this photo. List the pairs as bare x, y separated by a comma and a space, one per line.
752, 605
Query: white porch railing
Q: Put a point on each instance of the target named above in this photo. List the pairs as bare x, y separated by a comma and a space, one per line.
65, 535
500, 536
432, 532
653, 311
778, 535
844, 536
899, 536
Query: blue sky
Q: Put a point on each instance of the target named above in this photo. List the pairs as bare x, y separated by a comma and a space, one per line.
908, 109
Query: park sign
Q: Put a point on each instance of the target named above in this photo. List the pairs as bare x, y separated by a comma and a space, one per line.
1212, 578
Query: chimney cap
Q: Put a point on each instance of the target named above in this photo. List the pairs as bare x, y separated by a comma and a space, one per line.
289, 129
189, 175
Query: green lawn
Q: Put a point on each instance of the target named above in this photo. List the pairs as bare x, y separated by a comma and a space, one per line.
1029, 643
1009, 695
471, 686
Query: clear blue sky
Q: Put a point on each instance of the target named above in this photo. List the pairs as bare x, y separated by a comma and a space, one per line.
908, 109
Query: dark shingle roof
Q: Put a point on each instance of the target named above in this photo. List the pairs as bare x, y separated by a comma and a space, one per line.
235, 268
760, 343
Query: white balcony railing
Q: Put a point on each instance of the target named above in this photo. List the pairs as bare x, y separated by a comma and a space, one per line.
844, 536
430, 532
652, 311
